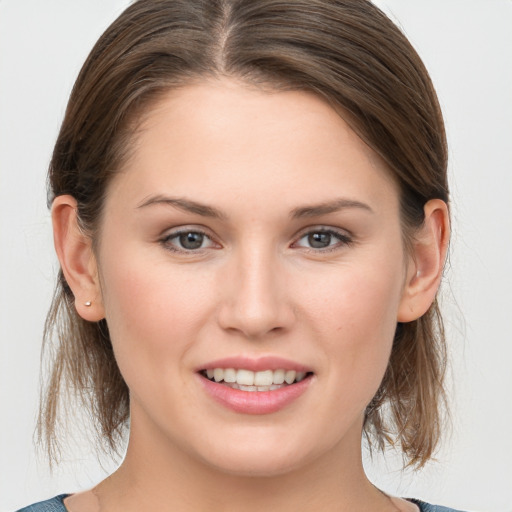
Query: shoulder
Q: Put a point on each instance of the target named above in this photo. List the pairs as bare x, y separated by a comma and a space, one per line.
427, 507
53, 505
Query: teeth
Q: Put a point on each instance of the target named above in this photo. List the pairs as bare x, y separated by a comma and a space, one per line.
255, 388
289, 376
247, 380
245, 377
279, 376
263, 378
244, 388
229, 375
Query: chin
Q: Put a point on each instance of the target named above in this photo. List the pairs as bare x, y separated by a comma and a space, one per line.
258, 459
256, 467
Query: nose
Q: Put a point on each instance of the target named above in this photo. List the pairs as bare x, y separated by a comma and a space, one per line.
255, 301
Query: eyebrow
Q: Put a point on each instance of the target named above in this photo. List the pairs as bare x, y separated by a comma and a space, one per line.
204, 210
337, 205
185, 205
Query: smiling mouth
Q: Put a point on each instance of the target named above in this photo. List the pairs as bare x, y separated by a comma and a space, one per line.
247, 380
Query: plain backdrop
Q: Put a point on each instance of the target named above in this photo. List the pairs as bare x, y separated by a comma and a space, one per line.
467, 46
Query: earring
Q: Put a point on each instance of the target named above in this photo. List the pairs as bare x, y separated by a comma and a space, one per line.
88, 304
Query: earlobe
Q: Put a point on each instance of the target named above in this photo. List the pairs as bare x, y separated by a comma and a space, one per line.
426, 262
77, 260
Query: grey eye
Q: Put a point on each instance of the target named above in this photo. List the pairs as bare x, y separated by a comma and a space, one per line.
188, 241
323, 239
319, 240
191, 240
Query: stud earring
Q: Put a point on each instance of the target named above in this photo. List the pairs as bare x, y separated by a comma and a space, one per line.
88, 304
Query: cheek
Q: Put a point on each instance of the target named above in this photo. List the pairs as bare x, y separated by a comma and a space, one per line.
357, 300
356, 316
152, 311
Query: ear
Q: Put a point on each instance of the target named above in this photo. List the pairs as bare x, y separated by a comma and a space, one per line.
77, 260
426, 263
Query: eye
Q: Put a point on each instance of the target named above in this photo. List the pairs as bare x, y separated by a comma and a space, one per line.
323, 239
187, 241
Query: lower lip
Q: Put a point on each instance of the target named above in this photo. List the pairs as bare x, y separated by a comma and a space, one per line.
255, 402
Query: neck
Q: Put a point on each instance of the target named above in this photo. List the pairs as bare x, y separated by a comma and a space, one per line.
156, 474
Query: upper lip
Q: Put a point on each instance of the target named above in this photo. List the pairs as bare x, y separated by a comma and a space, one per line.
255, 364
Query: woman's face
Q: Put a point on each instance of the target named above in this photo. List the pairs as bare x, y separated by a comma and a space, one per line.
251, 235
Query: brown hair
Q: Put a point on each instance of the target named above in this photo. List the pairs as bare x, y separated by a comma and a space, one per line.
346, 51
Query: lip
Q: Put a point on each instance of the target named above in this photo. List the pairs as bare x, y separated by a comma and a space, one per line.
255, 364
254, 402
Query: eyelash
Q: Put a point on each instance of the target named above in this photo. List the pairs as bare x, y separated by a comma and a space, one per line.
166, 241
343, 240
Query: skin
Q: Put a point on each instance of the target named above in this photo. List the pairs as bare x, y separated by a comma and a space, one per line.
255, 288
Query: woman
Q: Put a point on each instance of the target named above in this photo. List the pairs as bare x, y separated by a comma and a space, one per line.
249, 202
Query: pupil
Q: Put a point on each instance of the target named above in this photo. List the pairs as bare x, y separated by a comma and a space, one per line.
191, 240
319, 240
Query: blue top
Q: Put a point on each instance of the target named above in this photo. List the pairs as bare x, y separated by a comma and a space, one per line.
56, 505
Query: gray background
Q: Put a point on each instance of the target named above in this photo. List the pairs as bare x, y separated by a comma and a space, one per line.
467, 46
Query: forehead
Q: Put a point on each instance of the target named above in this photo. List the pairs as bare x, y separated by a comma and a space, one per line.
221, 136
